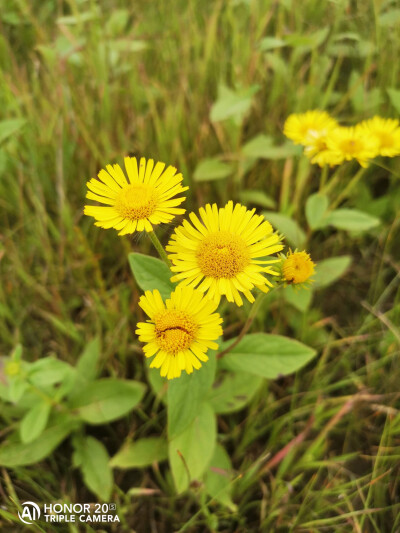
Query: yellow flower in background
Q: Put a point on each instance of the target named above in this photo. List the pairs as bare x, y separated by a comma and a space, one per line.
297, 267
386, 133
180, 331
223, 253
137, 202
352, 143
310, 128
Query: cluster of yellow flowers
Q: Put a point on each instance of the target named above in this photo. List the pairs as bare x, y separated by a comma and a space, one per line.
224, 251
327, 143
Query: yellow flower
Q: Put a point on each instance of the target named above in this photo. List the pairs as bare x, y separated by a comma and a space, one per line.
297, 267
352, 143
224, 252
180, 331
139, 202
386, 132
310, 128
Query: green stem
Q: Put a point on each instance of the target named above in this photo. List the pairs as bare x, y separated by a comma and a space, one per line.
158, 246
248, 323
324, 175
352, 183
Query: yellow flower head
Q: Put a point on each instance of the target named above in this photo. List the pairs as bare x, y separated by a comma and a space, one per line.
310, 128
297, 267
352, 143
224, 252
386, 133
136, 202
180, 331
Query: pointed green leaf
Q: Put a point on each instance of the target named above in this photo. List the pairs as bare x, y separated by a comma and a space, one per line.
35, 421
191, 452
107, 399
186, 393
212, 169
151, 273
269, 356
351, 220
93, 459
233, 391
288, 227
316, 207
218, 478
329, 270
141, 453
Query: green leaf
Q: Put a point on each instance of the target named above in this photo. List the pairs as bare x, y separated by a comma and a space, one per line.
316, 207
212, 169
186, 393
394, 95
87, 365
48, 371
35, 421
290, 229
261, 147
20, 454
390, 18
232, 104
107, 399
141, 453
299, 298
151, 273
271, 43
257, 198
257, 146
191, 452
9, 127
351, 220
233, 391
269, 356
93, 459
329, 270
218, 478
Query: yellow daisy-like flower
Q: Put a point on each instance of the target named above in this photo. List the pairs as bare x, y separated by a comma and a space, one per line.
297, 267
224, 252
310, 128
180, 331
386, 132
352, 143
137, 202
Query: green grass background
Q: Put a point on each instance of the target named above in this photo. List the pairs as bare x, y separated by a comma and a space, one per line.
93, 81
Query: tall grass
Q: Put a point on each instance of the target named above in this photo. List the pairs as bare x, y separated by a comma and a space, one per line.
92, 81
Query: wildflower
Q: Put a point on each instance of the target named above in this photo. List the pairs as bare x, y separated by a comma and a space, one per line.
310, 128
223, 252
297, 267
352, 143
180, 331
386, 133
138, 202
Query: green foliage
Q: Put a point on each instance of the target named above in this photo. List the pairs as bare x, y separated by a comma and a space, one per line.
151, 273
268, 356
191, 451
92, 458
212, 169
85, 83
107, 399
186, 394
140, 453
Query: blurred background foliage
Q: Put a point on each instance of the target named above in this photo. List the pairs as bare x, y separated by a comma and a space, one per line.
206, 86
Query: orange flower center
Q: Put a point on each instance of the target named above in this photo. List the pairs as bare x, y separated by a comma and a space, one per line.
135, 202
175, 330
222, 255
